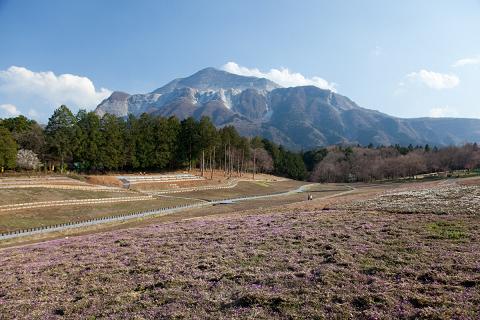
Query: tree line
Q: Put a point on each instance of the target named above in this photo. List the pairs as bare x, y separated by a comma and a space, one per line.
85, 142
366, 164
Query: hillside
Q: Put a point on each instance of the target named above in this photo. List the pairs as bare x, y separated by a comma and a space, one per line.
364, 260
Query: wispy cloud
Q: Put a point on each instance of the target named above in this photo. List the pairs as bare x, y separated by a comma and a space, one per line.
434, 80
443, 112
282, 76
377, 51
41, 92
467, 61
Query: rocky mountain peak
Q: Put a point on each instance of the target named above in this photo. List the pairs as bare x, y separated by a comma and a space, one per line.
296, 117
214, 79
118, 96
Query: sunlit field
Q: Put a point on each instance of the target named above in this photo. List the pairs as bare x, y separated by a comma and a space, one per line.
348, 258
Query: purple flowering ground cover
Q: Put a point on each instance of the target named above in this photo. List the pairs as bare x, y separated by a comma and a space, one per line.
296, 263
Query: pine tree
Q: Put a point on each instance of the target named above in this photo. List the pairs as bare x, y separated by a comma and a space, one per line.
112, 142
144, 134
166, 132
89, 140
8, 150
60, 133
188, 141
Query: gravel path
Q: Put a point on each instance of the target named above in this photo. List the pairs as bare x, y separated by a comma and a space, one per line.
154, 212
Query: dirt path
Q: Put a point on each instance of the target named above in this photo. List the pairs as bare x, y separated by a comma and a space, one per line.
207, 208
292, 200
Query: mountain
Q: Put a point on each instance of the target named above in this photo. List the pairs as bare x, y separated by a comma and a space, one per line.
297, 117
188, 94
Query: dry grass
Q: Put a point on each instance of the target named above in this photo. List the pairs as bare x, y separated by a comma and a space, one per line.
219, 178
245, 188
31, 218
169, 185
109, 181
265, 205
13, 196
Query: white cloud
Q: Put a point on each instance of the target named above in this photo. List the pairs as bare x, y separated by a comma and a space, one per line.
443, 112
434, 80
283, 76
41, 92
9, 110
467, 61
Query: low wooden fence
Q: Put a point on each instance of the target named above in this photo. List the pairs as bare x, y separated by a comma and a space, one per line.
133, 215
45, 204
231, 184
63, 187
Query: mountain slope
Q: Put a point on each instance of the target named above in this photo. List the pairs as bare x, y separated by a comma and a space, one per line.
297, 117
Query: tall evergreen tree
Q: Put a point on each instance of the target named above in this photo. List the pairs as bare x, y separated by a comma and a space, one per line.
144, 133
166, 134
130, 159
112, 142
8, 150
312, 157
60, 133
188, 141
173, 133
88, 140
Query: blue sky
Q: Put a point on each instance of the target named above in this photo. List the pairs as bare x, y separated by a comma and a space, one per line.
406, 58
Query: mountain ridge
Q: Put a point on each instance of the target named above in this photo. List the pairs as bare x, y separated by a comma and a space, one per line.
296, 117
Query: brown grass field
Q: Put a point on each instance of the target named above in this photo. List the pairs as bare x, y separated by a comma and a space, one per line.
244, 189
30, 218
12, 196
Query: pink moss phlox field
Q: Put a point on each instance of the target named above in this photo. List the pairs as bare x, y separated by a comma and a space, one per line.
444, 199
284, 265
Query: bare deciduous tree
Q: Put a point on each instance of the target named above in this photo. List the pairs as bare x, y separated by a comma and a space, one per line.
368, 164
264, 161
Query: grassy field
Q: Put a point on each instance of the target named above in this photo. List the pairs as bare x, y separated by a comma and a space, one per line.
241, 207
35, 217
244, 188
31, 218
297, 261
12, 196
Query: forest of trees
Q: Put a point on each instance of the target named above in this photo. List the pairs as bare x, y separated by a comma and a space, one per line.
87, 143
351, 164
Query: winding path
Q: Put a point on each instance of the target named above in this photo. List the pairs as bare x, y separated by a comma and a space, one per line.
157, 212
